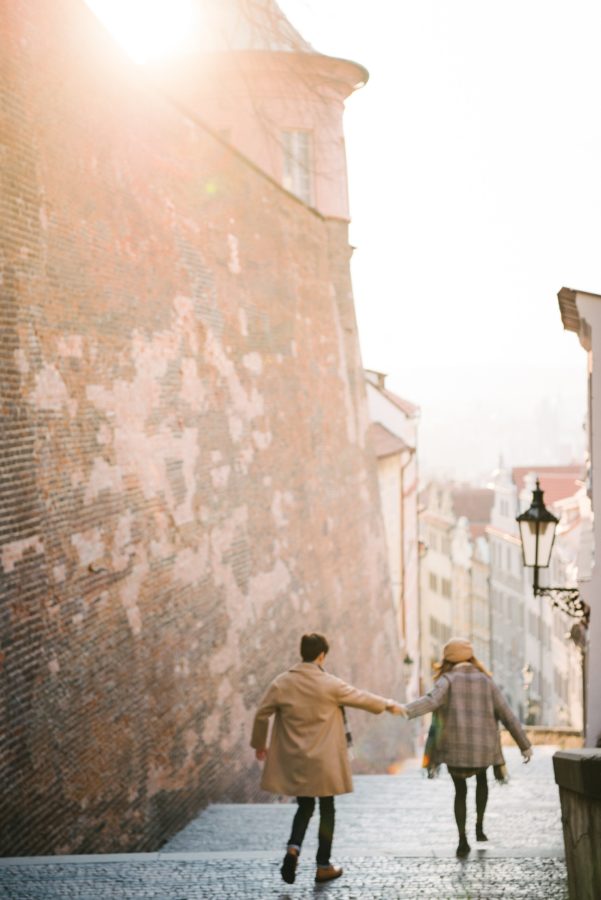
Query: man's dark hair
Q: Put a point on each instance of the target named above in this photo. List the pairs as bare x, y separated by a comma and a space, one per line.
312, 645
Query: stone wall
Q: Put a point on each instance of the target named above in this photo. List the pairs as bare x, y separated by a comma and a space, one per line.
564, 738
185, 483
578, 775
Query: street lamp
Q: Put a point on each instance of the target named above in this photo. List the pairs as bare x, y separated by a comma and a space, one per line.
537, 532
527, 676
407, 668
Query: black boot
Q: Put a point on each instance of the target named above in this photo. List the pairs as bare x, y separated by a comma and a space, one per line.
288, 870
463, 848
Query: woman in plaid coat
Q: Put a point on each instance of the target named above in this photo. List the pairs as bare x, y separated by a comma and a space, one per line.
468, 706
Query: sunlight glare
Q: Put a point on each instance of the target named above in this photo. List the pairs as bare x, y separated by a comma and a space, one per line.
149, 29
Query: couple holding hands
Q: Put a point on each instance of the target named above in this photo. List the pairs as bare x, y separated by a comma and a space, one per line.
308, 757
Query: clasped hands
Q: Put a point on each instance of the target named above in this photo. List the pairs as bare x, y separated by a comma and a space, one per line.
396, 709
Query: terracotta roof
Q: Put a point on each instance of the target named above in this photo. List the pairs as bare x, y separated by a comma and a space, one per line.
500, 532
378, 380
571, 318
557, 482
410, 409
385, 442
473, 503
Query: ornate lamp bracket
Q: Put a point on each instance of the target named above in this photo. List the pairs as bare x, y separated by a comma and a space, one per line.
568, 600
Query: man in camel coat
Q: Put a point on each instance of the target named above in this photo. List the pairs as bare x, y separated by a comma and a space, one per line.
308, 756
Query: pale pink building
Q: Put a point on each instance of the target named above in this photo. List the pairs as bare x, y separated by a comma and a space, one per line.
257, 83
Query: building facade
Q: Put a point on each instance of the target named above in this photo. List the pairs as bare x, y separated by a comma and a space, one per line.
437, 522
186, 482
259, 85
508, 594
394, 432
581, 313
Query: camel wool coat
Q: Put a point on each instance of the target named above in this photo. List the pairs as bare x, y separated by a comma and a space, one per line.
307, 755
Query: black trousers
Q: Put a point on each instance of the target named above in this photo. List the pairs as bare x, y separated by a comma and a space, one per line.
306, 807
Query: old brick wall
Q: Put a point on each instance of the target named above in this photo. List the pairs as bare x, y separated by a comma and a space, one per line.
184, 481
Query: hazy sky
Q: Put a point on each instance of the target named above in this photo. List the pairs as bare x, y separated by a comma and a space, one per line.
475, 181
475, 188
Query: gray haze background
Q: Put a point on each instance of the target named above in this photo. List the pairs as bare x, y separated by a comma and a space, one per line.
476, 195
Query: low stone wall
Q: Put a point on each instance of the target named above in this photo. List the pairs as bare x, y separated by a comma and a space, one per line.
578, 774
564, 738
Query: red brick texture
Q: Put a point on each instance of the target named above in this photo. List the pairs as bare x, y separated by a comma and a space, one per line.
185, 484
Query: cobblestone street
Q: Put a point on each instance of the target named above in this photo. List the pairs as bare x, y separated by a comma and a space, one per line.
395, 837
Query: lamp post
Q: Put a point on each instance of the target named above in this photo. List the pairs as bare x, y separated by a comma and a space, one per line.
537, 532
407, 669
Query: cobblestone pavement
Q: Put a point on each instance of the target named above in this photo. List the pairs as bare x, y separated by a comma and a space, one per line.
395, 838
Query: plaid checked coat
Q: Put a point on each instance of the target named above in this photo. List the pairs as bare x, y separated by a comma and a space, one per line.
470, 706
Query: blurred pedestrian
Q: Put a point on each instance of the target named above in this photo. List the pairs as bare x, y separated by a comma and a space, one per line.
308, 757
467, 706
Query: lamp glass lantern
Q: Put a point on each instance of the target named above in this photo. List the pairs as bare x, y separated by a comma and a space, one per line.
527, 676
537, 531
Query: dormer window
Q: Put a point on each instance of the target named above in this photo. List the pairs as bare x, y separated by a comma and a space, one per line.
297, 164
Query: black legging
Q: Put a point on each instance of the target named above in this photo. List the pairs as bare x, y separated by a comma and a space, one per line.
460, 798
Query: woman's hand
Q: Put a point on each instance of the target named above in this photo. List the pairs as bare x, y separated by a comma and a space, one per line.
527, 755
261, 755
396, 709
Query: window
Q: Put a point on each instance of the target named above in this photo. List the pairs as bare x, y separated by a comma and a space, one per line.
296, 172
445, 588
433, 581
434, 627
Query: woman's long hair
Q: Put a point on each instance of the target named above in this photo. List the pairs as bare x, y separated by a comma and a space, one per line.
444, 666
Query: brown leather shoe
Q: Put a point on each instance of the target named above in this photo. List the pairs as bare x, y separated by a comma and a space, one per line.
328, 874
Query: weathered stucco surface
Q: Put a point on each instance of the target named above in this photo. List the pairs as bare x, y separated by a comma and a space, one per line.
185, 481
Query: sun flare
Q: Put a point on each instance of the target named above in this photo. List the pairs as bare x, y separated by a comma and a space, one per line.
149, 29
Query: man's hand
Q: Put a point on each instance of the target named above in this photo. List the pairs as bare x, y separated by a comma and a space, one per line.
261, 755
527, 755
396, 709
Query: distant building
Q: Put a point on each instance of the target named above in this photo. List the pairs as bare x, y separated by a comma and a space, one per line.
527, 633
394, 428
480, 606
454, 569
436, 575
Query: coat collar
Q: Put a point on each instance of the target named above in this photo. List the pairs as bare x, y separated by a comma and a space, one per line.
306, 667
462, 667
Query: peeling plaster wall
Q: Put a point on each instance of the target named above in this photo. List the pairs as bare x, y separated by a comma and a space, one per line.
184, 480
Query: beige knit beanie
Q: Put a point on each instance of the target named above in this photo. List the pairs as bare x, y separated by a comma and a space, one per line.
458, 650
